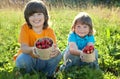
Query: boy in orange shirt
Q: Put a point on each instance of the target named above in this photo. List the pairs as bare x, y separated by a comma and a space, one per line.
36, 26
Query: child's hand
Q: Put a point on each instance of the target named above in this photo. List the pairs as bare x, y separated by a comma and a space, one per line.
35, 53
87, 57
81, 55
55, 51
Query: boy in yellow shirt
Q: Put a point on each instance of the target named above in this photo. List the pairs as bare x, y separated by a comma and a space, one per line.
36, 26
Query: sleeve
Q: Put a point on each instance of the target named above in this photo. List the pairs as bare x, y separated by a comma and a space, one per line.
91, 39
52, 35
71, 37
23, 37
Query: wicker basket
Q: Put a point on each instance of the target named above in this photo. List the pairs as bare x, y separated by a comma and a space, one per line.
44, 53
88, 57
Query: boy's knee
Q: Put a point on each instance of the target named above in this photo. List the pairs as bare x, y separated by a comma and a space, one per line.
23, 60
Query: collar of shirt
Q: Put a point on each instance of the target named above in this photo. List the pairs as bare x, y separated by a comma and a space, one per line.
79, 38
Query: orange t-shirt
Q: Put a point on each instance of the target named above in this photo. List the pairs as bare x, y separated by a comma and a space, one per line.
28, 36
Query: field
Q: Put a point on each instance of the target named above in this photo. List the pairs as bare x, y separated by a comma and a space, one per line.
106, 24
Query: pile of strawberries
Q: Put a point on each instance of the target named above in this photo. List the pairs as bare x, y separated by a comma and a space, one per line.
88, 49
44, 43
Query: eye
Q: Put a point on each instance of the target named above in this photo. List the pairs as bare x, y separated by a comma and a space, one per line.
85, 26
78, 26
39, 13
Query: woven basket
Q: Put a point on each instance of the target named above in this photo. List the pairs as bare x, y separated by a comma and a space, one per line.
88, 57
43, 53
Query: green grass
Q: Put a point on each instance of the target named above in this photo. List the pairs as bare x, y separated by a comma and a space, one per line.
106, 23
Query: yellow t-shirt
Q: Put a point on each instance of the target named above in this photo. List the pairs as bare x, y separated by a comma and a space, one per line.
29, 37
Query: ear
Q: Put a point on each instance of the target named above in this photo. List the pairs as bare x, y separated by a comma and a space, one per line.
73, 28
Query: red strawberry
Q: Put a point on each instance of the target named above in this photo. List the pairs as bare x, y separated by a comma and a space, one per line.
38, 46
91, 47
47, 46
38, 43
84, 50
44, 43
88, 49
43, 46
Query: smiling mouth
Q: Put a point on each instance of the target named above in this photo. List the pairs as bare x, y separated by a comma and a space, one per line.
81, 33
37, 21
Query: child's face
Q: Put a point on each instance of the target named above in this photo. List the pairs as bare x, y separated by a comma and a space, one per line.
37, 20
82, 29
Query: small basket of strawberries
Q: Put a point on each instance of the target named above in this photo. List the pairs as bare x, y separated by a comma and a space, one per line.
44, 47
88, 54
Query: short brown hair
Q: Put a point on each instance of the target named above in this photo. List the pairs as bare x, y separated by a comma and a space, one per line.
83, 18
36, 7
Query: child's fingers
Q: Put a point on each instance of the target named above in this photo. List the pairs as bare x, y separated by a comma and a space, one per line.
36, 56
54, 45
35, 53
55, 52
34, 50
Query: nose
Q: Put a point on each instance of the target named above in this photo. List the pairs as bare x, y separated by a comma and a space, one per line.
80, 29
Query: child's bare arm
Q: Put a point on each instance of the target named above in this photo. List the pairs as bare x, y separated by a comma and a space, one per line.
74, 49
26, 49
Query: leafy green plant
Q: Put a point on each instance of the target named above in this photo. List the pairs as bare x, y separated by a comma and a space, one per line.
81, 73
107, 38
